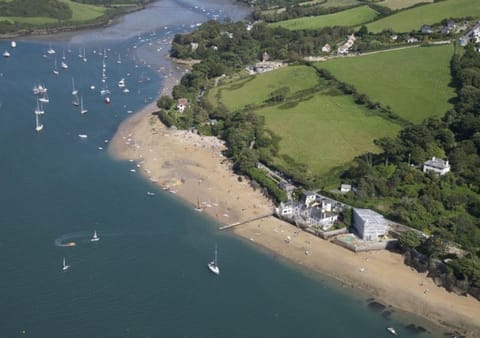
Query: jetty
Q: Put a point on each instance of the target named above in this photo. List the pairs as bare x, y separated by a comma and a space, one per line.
232, 225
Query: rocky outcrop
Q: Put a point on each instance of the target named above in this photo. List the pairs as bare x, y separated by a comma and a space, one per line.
441, 274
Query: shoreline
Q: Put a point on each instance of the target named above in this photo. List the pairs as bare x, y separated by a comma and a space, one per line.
192, 167
68, 31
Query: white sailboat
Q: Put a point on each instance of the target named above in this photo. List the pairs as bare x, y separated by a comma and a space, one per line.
13, 44
213, 265
50, 50
55, 69
38, 125
6, 54
39, 109
64, 65
44, 98
74, 91
95, 238
84, 56
119, 60
83, 110
75, 100
121, 83
64, 265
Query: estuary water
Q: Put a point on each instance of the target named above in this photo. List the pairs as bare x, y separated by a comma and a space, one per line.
147, 276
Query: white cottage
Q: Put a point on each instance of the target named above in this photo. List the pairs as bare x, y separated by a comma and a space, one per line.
437, 165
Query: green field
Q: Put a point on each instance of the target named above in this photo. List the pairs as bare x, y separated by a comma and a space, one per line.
399, 4
256, 89
37, 20
80, 13
326, 131
413, 81
350, 17
84, 12
320, 130
412, 19
340, 3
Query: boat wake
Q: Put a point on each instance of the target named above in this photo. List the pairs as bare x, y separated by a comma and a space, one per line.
69, 240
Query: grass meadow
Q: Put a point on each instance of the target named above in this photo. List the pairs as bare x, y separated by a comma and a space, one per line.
325, 131
400, 4
84, 12
414, 82
256, 89
320, 128
36, 20
350, 17
80, 12
412, 19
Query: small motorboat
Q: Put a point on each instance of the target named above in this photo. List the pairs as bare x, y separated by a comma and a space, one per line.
108, 100
82, 135
6, 54
392, 330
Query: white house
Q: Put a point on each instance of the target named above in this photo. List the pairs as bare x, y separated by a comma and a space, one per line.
345, 188
326, 48
437, 165
194, 45
308, 197
369, 224
182, 103
412, 40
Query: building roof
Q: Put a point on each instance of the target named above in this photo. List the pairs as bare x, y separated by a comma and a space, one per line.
371, 216
437, 163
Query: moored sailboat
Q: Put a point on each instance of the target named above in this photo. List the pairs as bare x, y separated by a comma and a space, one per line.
55, 69
83, 110
38, 125
95, 237
213, 265
39, 109
75, 100
74, 91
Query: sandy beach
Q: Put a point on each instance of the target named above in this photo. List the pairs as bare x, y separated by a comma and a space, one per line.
193, 168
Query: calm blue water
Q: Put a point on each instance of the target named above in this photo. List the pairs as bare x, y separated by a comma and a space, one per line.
147, 277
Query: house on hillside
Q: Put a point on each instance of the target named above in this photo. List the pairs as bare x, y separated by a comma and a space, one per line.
448, 27
369, 225
426, 29
194, 46
412, 39
344, 188
326, 48
182, 103
437, 165
343, 49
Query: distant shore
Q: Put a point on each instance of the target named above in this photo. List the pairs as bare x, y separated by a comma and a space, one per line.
38, 32
192, 167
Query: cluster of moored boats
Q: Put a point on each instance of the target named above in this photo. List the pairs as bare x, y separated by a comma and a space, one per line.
77, 100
